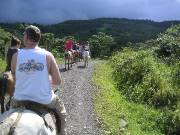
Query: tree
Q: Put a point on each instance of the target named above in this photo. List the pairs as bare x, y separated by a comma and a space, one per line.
47, 41
100, 44
4, 38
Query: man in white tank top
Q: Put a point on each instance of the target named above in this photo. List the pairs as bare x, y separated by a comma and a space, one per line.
31, 68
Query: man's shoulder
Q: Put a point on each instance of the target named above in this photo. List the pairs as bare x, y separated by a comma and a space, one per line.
49, 55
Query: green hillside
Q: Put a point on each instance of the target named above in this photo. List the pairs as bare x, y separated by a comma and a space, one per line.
123, 30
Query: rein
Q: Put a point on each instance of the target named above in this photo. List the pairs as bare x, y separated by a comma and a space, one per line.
8, 125
13, 127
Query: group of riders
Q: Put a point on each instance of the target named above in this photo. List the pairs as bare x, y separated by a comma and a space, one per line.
32, 73
76, 49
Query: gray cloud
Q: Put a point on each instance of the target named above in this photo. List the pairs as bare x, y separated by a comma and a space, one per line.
54, 11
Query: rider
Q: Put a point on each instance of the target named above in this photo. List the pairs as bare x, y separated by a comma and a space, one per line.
32, 80
75, 46
81, 49
75, 49
15, 44
86, 47
68, 45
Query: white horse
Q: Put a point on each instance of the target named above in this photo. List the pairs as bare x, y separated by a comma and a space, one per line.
86, 57
68, 59
29, 123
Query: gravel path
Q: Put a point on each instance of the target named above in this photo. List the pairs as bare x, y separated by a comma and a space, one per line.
76, 93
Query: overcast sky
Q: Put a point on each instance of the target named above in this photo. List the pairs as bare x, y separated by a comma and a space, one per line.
55, 11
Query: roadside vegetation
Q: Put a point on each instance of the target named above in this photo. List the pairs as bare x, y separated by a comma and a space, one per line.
141, 86
2, 65
117, 115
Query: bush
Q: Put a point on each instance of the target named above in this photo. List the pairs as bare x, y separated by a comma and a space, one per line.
172, 121
3, 65
176, 74
142, 79
169, 46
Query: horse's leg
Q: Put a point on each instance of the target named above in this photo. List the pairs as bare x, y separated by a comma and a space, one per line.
71, 62
84, 61
78, 57
68, 62
87, 61
65, 62
2, 104
75, 58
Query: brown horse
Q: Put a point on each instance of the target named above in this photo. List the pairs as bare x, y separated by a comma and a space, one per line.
76, 56
6, 87
68, 59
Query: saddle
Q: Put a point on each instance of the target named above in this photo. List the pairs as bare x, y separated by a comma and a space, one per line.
31, 105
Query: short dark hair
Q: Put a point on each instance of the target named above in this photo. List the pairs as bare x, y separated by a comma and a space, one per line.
15, 41
33, 33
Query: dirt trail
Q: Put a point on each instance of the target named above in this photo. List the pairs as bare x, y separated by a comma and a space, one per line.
76, 93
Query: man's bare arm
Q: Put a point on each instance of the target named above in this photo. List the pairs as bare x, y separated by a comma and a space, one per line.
53, 69
12, 80
13, 65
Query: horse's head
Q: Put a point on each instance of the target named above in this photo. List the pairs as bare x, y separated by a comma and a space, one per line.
68, 54
6, 84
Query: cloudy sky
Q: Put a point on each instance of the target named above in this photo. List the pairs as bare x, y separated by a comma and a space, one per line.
54, 11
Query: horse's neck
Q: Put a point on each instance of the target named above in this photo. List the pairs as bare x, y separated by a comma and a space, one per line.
12, 113
86, 53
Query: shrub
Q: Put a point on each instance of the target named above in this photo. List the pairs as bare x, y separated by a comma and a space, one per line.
172, 120
142, 79
3, 65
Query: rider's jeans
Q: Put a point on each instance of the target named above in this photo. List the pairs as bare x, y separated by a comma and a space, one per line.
58, 105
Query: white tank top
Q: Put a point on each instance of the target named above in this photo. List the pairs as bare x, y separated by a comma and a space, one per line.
32, 77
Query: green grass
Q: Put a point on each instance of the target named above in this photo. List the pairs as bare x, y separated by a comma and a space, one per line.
2, 65
111, 106
59, 60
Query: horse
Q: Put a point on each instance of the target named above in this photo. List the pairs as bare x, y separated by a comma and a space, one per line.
6, 88
68, 59
86, 57
22, 121
80, 56
76, 56
31, 117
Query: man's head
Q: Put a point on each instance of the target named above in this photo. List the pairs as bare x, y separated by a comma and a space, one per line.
32, 34
15, 42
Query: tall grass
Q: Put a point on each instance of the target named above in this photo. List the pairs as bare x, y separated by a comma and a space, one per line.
111, 107
143, 78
